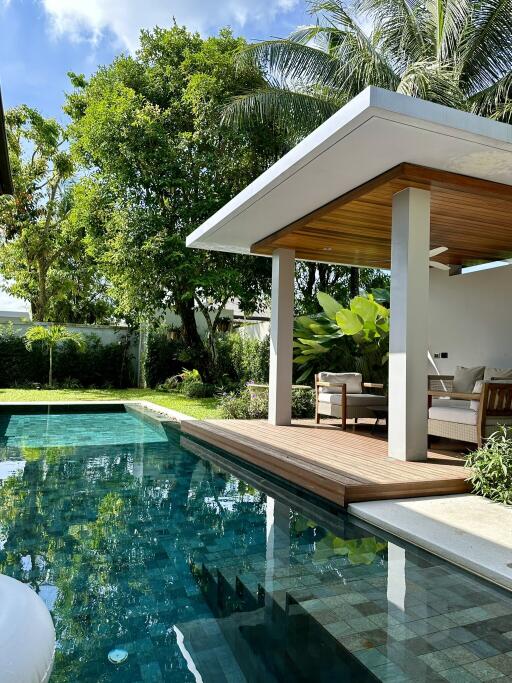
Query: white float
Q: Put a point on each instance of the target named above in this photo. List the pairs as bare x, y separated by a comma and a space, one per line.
27, 634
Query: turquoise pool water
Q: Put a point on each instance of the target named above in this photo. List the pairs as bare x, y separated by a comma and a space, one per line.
202, 570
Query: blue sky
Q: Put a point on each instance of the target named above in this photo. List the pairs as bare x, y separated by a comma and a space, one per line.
41, 40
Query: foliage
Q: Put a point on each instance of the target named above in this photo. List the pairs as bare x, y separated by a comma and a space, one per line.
148, 129
95, 364
165, 356
249, 358
42, 252
50, 338
453, 52
249, 404
365, 321
311, 278
199, 390
491, 467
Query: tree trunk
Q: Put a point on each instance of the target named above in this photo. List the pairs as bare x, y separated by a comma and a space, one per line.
354, 282
185, 309
50, 373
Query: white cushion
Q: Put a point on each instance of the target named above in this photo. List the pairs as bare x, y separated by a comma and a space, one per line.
356, 399
353, 380
464, 416
465, 378
492, 373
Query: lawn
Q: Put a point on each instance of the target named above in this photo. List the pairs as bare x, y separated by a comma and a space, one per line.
195, 407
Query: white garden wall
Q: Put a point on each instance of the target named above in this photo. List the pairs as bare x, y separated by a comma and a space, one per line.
470, 318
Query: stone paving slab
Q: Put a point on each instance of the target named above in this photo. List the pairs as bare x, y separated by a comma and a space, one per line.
468, 530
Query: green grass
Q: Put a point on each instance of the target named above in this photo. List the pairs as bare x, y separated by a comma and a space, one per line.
201, 408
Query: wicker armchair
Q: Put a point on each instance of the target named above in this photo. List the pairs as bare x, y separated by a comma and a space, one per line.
468, 417
345, 396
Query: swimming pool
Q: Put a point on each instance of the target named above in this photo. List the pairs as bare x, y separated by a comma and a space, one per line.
201, 570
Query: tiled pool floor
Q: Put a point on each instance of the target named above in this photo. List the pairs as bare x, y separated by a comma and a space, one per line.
200, 576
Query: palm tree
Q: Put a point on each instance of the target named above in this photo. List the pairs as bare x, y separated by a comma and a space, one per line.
51, 337
454, 52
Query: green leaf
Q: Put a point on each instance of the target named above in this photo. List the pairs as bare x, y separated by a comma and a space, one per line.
365, 308
349, 322
329, 305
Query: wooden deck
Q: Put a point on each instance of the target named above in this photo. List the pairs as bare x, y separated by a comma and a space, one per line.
342, 467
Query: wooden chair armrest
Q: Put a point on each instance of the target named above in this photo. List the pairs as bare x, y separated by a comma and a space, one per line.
373, 385
454, 394
330, 384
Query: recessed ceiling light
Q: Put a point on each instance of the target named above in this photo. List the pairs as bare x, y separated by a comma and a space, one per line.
327, 249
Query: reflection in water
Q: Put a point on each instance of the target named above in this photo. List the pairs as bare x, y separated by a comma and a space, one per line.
199, 576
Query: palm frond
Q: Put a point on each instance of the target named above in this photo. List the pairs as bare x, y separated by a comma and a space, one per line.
486, 44
432, 81
297, 113
290, 61
399, 27
494, 101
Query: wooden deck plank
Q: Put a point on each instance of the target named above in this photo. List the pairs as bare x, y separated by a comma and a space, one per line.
342, 467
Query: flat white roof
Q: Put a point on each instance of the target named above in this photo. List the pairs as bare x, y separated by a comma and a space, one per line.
374, 132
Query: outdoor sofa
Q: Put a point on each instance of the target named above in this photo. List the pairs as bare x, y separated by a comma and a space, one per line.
470, 405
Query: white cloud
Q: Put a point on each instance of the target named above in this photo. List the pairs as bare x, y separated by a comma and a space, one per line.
92, 19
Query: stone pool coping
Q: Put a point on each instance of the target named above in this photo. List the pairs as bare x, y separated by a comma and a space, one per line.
175, 415
467, 530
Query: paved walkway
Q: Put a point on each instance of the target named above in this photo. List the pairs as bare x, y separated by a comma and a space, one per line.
468, 530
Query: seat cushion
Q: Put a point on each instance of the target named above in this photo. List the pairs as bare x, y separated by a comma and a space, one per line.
465, 378
353, 380
450, 414
355, 399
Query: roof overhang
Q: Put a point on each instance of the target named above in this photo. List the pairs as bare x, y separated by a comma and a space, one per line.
6, 186
335, 187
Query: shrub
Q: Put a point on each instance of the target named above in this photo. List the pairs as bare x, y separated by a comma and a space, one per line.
249, 358
248, 404
199, 390
491, 467
96, 364
164, 357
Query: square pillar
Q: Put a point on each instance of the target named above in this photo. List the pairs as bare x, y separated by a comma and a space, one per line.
408, 340
281, 337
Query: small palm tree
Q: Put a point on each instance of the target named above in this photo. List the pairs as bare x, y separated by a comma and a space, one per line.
51, 337
453, 52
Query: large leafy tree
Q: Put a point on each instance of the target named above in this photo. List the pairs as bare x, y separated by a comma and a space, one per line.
148, 128
42, 255
454, 52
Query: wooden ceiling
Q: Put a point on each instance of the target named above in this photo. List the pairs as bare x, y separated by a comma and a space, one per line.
472, 217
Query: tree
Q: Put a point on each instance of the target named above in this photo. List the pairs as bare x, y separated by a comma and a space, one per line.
51, 337
453, 52
42, 256
148, 128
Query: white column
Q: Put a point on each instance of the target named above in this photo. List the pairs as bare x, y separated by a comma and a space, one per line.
281, 337
408, 342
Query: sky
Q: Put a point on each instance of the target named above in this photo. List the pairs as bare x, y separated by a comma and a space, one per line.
41, 40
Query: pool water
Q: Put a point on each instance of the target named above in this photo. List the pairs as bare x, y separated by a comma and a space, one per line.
141, 540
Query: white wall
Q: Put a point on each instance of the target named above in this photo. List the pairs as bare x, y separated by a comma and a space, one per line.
470, 317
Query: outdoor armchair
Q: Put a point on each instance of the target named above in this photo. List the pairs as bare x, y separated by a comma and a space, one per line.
343, 395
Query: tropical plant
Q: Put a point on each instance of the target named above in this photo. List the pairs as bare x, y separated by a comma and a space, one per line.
50, 337
366, 321
249, 404
491, 467
453, 52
